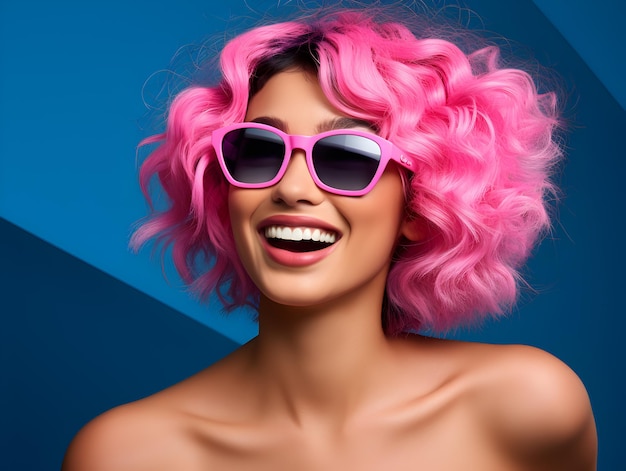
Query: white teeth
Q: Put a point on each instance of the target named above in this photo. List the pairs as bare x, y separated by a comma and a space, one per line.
300, 233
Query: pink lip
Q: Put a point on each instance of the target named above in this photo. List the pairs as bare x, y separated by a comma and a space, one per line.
295, 259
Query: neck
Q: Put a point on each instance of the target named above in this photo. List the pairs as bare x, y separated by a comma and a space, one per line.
322, 361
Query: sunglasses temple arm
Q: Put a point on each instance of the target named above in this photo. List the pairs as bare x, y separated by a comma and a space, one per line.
405, 160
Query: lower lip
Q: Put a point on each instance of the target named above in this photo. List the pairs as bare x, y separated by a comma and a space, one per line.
295, 259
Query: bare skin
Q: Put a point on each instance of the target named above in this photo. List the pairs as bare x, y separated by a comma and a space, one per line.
322, 387
440, 406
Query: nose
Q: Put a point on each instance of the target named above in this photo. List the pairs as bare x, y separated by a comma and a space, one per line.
297, 185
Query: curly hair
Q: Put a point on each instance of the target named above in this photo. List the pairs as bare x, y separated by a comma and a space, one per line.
483, 137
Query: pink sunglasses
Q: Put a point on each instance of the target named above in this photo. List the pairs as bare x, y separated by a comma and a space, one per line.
344, 162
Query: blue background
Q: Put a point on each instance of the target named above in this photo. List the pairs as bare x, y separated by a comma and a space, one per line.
87, 325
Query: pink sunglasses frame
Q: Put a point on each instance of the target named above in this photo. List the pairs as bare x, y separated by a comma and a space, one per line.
388, 151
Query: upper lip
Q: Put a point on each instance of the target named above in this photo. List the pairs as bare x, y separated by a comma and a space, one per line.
297, 221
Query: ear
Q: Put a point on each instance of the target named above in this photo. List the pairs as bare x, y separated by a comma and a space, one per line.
413, 228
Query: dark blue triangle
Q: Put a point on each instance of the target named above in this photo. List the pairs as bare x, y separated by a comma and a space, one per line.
75, 342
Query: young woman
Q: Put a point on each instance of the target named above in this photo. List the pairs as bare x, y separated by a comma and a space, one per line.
356, 185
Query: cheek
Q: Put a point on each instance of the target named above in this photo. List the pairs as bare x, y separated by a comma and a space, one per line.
234, 211
388, 200
240, 210
234, 207
379, 215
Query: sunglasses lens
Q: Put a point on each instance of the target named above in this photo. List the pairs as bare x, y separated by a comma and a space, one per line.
253, 155
346, 162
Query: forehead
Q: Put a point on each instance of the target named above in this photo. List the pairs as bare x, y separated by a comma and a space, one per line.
294, 98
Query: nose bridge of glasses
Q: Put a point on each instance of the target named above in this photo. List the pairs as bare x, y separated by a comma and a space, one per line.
303, 143
298, 174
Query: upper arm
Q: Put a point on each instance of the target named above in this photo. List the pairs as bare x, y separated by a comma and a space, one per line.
540, 412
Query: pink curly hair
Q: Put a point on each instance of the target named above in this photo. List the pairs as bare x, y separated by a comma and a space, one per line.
483, 135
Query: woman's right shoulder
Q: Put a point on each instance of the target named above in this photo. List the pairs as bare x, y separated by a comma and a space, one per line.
171, 429
133, 436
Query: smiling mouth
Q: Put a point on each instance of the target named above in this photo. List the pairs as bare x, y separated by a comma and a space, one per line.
299, 239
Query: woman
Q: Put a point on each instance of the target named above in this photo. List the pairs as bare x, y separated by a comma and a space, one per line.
355, 184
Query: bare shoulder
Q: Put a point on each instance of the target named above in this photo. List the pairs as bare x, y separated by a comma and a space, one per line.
134, 436
535, 406
177, 428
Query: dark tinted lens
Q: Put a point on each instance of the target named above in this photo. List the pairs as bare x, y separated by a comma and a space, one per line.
253, 155
346, 162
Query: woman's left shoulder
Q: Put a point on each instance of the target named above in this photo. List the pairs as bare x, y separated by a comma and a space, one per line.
535, 405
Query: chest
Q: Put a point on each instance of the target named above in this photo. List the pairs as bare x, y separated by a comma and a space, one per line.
442, 443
